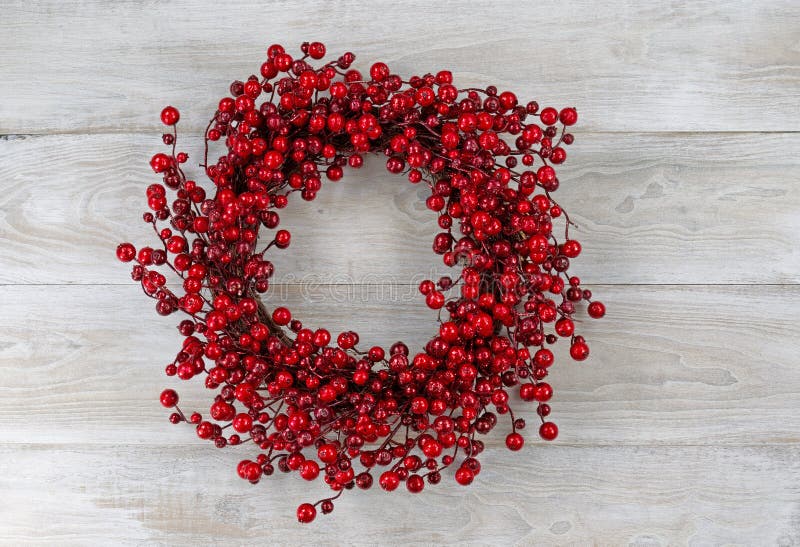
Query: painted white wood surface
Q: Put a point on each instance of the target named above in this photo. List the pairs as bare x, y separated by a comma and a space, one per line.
678, 208
682, 428
630, 66
667, 367
554, 495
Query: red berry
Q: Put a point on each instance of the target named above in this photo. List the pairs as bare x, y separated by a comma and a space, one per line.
176, 244
543, 410
275, 50
126, 252
579, 351
283, 62
548, 431
169, 398
507, 100
549, 116
565, 327
389, 481
160, 162
252, 472
282, 239
568, 116
532, 134
309, 470
558, 155
281, 316
376, 354
419, 405
571, 248
170, 115
464, 476
596, 310
241, 468
205, 430
545, 174
379, 72
273, 159
543, 358
316, 50
242, 423
306, 513
434, 300
327, 453
542, 392
415, 484
527, 392
514, 441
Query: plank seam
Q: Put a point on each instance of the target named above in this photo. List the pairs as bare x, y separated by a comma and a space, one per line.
414, 284
192, 133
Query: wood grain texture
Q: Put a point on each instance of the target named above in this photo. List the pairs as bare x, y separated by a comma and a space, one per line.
718, 208
91, 65
682, 428
669, 365
615, 495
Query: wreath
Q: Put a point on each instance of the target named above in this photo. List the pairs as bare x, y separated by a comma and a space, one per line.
324, 406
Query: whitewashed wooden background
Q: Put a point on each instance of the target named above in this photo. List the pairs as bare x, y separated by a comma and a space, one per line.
682, 428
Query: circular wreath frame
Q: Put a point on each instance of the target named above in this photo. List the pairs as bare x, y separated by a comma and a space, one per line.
322, 407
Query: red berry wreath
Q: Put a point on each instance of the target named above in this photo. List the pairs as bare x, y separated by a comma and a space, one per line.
331, 409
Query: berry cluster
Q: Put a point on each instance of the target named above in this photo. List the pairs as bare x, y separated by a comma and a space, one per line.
322, 405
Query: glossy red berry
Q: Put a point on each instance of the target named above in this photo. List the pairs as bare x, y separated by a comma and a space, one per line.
316, 50
281, 316
379, 72
205, 430
126, 252
527, 392
548, 431
389, 481
327, 453
170, 115
596, 310
169, 398
571, 248
309, 470
282, 239
514, 441
464, 476
306, 513
160, 162
565, 327
415, 484
549, 116
419, 405
242, 423
545, 174
435, 300
579, 351
543, 358
568, 116
542, 392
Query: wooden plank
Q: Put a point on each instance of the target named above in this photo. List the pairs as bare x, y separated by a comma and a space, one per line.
681, 428
76, 66
550, 495
669, 365
651, 209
